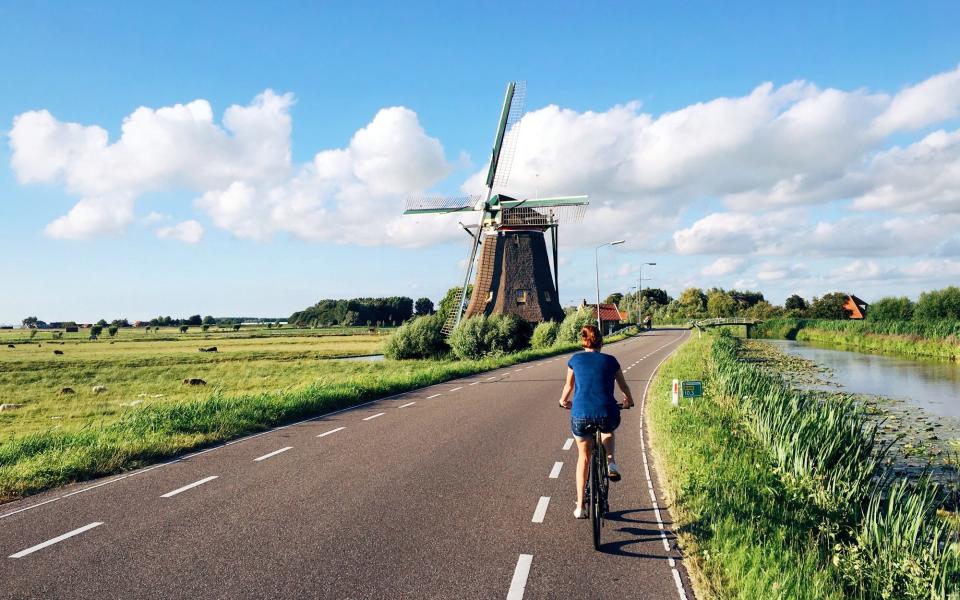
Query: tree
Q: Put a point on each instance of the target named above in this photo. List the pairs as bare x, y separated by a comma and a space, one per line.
112, 330
95, 331
938, 304
891, 309
236, 326
208, 320
656, 296
830, 306
720, 304
194, 320
795, 302
763, 310
183, 328
423, 306
204, 328
29, 322
101, 323
692, 302
614, 298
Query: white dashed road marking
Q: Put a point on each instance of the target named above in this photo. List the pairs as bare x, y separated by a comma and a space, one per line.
457, 388
568, 444
520, 573
433, 396
189, 486
326, 433
541, 510
407, 404
59, 538
371, 417
274, 453
555, 471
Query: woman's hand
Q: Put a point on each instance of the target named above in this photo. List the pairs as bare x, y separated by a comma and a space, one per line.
564, 403
627, 402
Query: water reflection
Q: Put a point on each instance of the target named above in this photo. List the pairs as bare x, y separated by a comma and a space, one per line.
933, 385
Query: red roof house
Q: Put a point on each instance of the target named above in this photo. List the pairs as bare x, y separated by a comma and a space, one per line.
610, 315
855, 307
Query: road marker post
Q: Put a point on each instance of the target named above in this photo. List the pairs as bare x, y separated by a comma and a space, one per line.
676, 392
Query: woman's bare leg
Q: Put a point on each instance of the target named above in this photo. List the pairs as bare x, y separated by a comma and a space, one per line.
584, 448
609, 445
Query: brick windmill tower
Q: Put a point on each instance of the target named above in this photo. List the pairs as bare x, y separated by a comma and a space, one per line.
513, 270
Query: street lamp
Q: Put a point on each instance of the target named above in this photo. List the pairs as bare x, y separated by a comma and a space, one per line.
596, 260
640, 290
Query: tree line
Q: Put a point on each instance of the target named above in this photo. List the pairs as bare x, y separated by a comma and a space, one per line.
358, 311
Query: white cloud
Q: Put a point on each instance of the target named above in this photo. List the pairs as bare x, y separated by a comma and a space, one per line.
932, 101
776, 272
736, 233
723, 266
188, 232
154, 217
241, 169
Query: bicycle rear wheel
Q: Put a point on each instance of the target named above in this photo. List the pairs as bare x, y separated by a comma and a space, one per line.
596, 499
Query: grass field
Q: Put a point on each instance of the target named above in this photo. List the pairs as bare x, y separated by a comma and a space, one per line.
138, 371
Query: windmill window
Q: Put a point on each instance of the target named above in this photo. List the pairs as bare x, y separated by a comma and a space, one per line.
546, 296
521, 296
490, 296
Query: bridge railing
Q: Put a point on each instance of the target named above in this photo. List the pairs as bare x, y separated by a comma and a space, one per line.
723, 321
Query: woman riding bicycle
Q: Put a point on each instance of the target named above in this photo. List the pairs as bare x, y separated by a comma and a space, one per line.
590, 377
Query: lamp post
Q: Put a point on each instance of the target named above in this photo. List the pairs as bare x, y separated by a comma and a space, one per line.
640, 291
596, 260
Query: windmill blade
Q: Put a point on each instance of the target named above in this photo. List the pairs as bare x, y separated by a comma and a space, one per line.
506, 202
544, 215
417, 205
508, 131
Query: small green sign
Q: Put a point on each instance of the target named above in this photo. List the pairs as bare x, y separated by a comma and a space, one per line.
692, 389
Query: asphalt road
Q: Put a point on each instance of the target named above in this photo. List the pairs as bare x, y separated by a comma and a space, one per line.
460, 490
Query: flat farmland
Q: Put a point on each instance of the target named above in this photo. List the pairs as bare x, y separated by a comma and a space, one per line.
140, 369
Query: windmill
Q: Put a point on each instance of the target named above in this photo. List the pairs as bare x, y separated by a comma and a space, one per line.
513, 276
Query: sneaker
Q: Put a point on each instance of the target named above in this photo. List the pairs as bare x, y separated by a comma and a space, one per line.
580, 512
613, 472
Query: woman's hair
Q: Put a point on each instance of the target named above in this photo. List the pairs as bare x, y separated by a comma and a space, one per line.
590, 337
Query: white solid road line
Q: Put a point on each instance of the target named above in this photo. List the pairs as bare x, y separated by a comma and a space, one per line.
541, 511
326, 433
274, 453
457, 388
520, 574
407, 404
189, 486
555, 471
568, 444
53, 541
371, 417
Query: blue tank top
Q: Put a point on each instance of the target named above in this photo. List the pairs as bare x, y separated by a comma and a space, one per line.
594, 375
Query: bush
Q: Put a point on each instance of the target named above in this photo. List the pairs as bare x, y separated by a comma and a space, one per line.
419, 338
938, 305
482, 336
545, 334
112, 330
569, 330
891, 309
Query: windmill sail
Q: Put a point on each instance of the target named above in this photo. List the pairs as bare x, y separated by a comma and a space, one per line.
440, 204
508, 131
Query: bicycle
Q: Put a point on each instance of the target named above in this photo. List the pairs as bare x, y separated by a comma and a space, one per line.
596, 491
597, 487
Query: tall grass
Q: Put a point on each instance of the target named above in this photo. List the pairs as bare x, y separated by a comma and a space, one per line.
939, 339
889, 541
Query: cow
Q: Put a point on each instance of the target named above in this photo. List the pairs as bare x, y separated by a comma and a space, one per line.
194, 381
66, 390
10, 346
210, 349
99, 389
58, 351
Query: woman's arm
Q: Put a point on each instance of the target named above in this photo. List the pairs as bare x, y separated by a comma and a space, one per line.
627, 396
567, 390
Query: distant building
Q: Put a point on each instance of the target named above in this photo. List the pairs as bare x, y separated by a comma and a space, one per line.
855, 307
610, 315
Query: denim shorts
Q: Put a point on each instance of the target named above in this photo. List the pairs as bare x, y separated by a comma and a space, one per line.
582, 426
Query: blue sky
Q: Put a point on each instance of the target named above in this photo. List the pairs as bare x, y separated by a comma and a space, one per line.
717, 213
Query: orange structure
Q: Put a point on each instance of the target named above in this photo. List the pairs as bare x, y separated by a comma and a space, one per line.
855, 307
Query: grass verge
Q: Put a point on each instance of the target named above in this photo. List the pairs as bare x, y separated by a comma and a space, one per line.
744, 534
